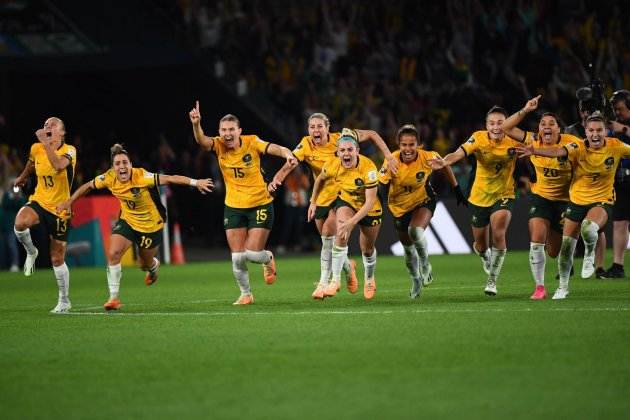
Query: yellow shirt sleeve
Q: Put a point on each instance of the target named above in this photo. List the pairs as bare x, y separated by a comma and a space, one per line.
103, 181
260, 145
470, 146
301, 150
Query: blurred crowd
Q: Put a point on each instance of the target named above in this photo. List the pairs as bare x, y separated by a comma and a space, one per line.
382, 63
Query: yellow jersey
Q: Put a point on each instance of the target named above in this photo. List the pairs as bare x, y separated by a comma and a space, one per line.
244, 183
410, 187
353, 182
553, 175
53, 186
315, 157
495, 167
140, 204
594, 170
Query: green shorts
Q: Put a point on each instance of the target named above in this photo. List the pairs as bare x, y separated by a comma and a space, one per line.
367, 220
255, 217
553, 211
577, 213
321, 212
402, 222
144, 240
56, 226
480, 216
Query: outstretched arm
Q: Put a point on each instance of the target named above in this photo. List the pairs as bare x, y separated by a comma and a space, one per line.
195, 118
439, 163
66, 206
450, 176
364, 135
529, 150
317, 188
510, 124
283, 152
203, 185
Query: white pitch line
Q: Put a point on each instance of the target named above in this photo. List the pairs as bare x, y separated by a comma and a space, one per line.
341, 312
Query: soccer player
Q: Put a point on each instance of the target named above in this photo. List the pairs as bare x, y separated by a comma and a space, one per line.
549, 191
315, 150
53, 162
248, 214
411, 201
356, 177
142, 215
492, 192
591, 193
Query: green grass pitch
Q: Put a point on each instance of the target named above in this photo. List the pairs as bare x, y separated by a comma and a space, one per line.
179, 349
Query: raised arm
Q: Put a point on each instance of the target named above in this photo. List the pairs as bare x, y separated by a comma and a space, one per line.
203, 185
528, 150
59, 163
80, 192
29, 168
510, 124
365, 135
195, 118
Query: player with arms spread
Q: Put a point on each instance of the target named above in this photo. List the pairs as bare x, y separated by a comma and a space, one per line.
411, 200
356, 177
492, 193
248, 214
142, 215
53, 162
315, 150
591, 193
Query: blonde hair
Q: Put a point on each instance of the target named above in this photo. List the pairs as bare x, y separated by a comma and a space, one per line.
117, 149
320, 116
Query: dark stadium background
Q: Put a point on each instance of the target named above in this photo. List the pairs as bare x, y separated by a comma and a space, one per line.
130, 72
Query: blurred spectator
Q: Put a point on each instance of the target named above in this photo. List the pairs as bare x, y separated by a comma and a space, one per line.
295, 202
9, 207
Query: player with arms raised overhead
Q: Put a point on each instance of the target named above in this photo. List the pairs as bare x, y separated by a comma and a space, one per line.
356, 177
142, 215
591, 193
492, 193
315, 150
248, 214
411, 201
53, 162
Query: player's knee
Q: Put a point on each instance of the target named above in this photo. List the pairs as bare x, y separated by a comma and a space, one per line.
114, 256
56, 259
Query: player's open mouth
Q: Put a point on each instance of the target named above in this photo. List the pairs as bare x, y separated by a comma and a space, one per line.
317, 138
347, 160
547, 134
407, 155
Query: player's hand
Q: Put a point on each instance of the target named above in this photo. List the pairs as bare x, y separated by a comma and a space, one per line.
344, 229
532, 104
459, 195
292, 160
19, 182
392, 164
437, 163
44, 136
616, 127
525, 150
274, 185
64, 207
195, 114
310, 215
205, 185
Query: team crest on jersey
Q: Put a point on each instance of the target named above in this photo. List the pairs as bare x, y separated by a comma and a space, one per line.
574, 145
247, 159
358, 182
562, 160
420, 176
609, 162
511, 151
135, 191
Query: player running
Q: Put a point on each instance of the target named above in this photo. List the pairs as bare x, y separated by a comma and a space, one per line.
248, 214
591, 193
492, 192
357, 203
315, 150
142, 215
549, 189
411, 201
53, 162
